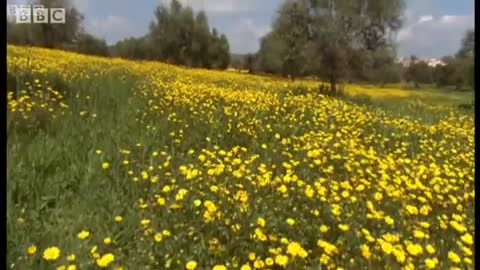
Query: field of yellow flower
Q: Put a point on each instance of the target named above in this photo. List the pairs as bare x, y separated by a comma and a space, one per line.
114, 164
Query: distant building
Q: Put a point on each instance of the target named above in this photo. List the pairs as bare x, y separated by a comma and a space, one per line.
432, 62
404, 61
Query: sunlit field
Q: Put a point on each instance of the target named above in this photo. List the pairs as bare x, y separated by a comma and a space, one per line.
137, 165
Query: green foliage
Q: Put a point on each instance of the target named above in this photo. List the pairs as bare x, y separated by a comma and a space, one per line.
237, 61
467, 49
418, 72
133, 48
201, 40
249, 62
176, 35
466, 56
22, 34
382, 68
458, 70
268, 57
181, 38
319, 37
88, 44
68, 36
48, 35
291, 27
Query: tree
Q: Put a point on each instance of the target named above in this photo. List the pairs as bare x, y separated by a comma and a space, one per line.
181, 37
249, 62
268, 57
383, 69
224, 52
218, 51
467, 49
444, 75
458, 70
466, 56
342, 24
201, 40
213, 49
418, 72
291, 28
61, 35
237, 62
133, 48
22, 34
88, 44
165, 32
359, 61
186, 28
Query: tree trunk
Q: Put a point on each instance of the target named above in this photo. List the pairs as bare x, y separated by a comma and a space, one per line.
473, 99
333, 85
47, 42
473, 93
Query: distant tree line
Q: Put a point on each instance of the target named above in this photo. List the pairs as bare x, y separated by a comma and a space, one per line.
334, 40
68, 36
457, 71
352, 41
176, 36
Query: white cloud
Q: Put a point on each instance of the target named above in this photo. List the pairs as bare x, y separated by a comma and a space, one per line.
220, 6
447, 18
455, 20
404, 34
258, 31
428, 36
425, 18
245, 36
111, 28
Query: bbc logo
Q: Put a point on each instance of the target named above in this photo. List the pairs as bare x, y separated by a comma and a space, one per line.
36, 14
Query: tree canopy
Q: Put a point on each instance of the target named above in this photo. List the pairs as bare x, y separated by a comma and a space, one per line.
179, 36
318, 36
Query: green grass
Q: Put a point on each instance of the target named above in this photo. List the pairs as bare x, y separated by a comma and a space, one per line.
57, 184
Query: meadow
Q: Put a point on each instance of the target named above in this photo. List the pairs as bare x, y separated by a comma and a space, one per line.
115, 164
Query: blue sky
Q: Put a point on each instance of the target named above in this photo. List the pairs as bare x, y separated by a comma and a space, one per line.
432, 28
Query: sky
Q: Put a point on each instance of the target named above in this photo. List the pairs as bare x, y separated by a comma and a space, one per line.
432, 28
